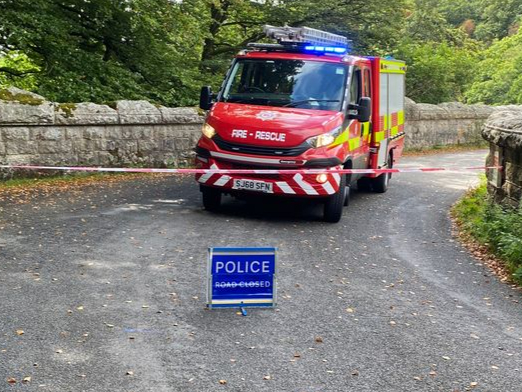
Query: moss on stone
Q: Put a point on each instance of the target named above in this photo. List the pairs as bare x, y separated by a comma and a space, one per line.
67, 108
24, 99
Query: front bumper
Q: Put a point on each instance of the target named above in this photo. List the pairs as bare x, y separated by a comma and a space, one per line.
301, 185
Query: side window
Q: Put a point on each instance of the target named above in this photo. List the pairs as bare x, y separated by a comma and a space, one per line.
355, 87
367, 90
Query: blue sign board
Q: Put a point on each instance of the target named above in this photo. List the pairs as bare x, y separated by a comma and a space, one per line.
241, 277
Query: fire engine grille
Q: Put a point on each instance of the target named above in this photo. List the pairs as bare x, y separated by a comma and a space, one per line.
256, 150
280, 177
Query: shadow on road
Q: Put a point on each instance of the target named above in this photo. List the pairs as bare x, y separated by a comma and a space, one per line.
276, 209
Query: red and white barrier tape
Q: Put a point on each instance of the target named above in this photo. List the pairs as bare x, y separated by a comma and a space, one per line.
250, 171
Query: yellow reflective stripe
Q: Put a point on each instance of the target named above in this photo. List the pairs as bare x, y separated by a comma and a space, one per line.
379, 136
342, 138
400, 117
394, 131
366, 128
393, 66
355, 143
366, 133
385, 122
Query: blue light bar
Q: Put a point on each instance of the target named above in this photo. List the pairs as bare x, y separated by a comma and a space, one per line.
326, 49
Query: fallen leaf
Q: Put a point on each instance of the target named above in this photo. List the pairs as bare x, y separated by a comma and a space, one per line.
110, 325
393, 323
222, 382
129, 373
26, 380
473, 384
80, 308
144, 306
19, 332
355, 373
11, 380
59, 351
297, 355
318, 339
446, 358
350, 310
417, 378
433, 373
267, 377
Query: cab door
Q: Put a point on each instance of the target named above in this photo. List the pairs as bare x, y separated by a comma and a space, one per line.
366, 128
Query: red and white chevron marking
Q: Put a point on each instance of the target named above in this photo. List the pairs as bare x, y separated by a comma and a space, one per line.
295, 185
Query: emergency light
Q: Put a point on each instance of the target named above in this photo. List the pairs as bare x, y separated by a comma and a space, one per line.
326, 49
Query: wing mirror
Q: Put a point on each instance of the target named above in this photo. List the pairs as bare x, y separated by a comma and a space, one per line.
205, 98
363, 109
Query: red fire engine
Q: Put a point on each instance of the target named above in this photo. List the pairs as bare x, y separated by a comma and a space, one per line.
303, 103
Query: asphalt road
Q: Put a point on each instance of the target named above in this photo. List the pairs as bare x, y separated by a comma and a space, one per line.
107, 283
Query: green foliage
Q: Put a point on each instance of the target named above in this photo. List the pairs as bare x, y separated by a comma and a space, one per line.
498, 79
105, 50
491, 19
437, 72
164, 50
440, 57
16, 69
498, 228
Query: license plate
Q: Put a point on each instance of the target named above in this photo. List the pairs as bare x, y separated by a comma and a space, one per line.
252, 185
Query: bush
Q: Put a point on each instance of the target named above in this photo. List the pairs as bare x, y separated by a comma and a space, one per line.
498, 79
500, 229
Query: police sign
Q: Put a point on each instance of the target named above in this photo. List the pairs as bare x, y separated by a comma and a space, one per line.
241, 277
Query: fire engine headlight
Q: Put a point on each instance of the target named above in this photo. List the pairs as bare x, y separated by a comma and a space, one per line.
322, 178
208, 131
325, 139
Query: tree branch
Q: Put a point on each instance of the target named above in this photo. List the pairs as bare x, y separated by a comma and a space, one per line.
16, 72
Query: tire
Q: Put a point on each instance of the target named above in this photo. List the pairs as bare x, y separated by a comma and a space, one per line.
380, 184
364, 184
211, 198
333, 206
347, 190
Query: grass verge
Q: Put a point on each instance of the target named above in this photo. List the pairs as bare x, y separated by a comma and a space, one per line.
488, 228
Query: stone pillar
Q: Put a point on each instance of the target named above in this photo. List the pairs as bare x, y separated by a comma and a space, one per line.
503, 130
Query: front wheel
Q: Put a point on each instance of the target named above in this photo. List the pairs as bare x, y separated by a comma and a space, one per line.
380, 184
211, 198
333, 206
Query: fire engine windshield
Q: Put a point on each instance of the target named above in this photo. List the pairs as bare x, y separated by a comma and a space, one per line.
287, 83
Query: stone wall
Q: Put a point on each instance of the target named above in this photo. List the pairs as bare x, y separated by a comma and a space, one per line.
503, 131
34, 131
446, 124
131, 133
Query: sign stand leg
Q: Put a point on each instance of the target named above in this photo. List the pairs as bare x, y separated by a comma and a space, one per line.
243, 310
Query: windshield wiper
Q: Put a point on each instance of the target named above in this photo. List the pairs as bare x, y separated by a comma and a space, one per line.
309, 100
